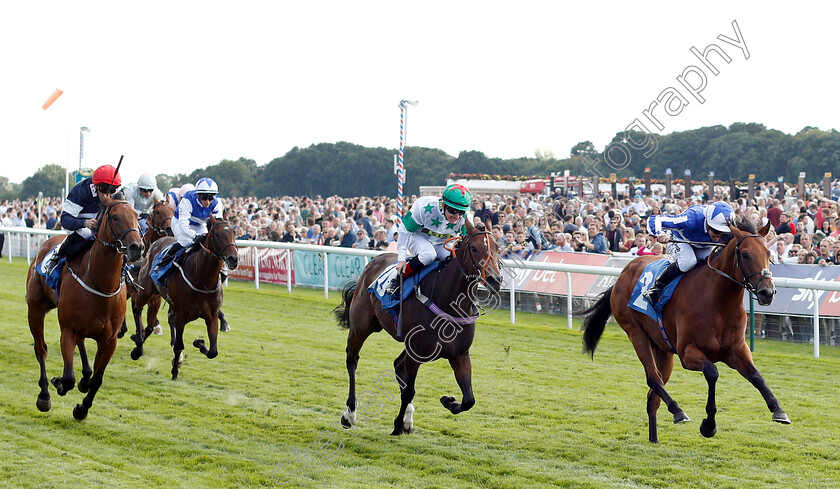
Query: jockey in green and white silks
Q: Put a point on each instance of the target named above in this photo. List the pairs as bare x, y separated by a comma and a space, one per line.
429, 223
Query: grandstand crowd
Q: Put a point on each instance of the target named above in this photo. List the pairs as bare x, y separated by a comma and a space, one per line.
803, 230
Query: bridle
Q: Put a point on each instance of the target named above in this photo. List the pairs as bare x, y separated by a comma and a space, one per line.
745, 283
161, 229
219, 256
117, 244
479, 268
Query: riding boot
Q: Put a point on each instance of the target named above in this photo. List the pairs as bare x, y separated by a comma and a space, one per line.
169, 256
413, 266
671, 272
68, 248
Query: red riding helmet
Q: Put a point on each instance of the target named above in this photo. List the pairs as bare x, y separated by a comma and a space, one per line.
106, 173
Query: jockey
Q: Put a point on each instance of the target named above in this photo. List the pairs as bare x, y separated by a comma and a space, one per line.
80, 210
699, 223
142, 196
428, 224
175, 194
194, 210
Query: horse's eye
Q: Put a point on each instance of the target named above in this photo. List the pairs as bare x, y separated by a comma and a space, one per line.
745, 255
473, 249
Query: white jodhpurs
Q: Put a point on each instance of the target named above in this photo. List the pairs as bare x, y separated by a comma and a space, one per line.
421, 246
686, 256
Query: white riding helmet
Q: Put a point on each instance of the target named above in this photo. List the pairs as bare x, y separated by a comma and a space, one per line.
718, 215
206, 186
184, 189
146, 182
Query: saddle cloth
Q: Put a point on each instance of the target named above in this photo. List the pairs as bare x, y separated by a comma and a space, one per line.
392, 304
648, 277
53, 280
160, 275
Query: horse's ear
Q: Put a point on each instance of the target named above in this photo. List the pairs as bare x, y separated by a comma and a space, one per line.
154, 200
212, 219
469, 224
764, 230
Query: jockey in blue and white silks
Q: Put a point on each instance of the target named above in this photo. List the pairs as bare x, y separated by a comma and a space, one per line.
194, 210
700, 224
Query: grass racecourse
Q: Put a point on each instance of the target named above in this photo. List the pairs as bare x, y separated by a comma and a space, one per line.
265, 412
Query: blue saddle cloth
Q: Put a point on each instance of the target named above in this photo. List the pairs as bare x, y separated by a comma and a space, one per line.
160, 275
649, 274
392, 304
52, 279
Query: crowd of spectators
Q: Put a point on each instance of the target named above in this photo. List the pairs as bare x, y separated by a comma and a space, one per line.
802, 230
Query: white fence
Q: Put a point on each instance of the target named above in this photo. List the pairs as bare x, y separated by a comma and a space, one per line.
25, 241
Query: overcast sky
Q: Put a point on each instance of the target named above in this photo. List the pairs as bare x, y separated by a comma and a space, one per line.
176, 86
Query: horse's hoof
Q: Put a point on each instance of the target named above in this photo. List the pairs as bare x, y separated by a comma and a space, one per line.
84, 385
58, 383
212, 354
174, 374
133, 337
708, 428
79, 412
681, 417
345, 423
397, 431
44, 405
136, 353
781, 417
198, 343
447, 401
120, 333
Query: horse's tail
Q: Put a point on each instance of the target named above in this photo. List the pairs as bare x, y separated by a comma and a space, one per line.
595, 322
342, 312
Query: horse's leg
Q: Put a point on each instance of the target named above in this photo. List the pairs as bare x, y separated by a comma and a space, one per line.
355, 340
67, 381
104, 352
152, 310
741, 360
644, 350
36, 327
84, 383
223, 324
122, 331
408, 373
694, 359
177, 344
213, 335
462, 367
139, 337
665, 365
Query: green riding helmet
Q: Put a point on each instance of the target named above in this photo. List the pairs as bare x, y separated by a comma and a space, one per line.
457, 196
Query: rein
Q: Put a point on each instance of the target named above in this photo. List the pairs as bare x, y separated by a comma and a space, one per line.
764, 272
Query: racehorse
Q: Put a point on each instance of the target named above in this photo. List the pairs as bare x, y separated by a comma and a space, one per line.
91, 303
704, 322
160, 224
193, 290
428, 335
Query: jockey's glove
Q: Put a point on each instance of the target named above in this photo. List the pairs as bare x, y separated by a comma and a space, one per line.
199, 238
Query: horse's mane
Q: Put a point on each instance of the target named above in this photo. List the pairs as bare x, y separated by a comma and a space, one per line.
742, 224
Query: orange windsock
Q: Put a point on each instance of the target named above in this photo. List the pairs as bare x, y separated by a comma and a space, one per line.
57, 93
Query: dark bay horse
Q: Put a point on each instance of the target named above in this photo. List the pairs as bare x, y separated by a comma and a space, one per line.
193, 290
704, 320
160, 225
91, 304
427, 336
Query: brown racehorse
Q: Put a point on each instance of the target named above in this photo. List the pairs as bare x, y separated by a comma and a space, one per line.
193, 290
160, 225
427, 335
704, 321
91, 305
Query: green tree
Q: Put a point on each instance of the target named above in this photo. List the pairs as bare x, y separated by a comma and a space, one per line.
48, 179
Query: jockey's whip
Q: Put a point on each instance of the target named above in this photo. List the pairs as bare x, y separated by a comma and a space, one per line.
117, 171
400, 318
699, 243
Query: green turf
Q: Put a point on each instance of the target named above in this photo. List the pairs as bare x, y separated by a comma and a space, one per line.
265, 411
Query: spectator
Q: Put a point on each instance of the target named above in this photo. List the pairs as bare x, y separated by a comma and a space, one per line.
378, 242
614, 234
290, 235
560, 243
348, 239
362, 239
784, 224
597, 243
825, 258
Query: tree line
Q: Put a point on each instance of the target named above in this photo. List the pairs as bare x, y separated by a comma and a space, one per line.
349, 169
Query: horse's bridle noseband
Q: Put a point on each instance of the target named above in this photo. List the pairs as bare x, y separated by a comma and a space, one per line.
481, 271
745, 283
118, 244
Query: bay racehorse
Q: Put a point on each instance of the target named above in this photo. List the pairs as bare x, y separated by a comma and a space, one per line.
91, 303
443, 330
704, 322
193, 290
160, 225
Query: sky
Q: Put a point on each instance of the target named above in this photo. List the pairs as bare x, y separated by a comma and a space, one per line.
175, 86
